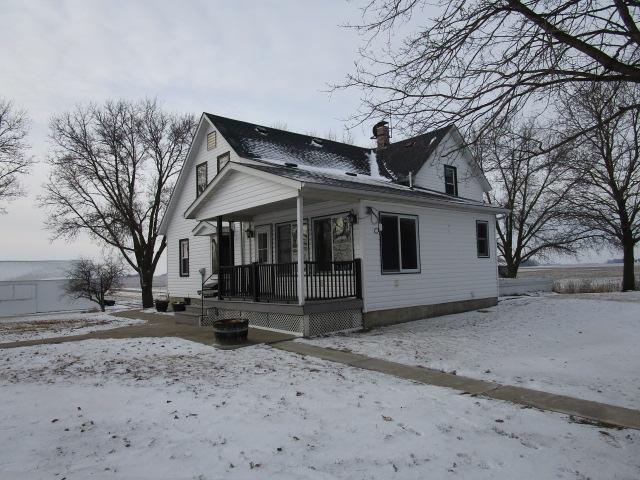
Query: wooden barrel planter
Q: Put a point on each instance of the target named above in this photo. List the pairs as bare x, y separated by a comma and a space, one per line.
178, 306
162, 305
232, 330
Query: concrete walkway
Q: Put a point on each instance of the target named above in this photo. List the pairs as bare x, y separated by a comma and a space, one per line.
157, 325
603, 414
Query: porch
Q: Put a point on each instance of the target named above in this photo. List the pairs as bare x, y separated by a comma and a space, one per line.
279, 282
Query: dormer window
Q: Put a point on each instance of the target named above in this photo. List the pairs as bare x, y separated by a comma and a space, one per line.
451, 180
212, 140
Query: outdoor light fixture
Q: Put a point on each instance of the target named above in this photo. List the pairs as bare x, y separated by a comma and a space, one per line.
249, 233
352, 217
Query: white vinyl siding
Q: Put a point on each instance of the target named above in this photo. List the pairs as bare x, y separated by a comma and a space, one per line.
450, 269
431, 175
240, 191
179, 227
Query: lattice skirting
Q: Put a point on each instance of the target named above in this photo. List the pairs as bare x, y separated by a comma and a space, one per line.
308, 325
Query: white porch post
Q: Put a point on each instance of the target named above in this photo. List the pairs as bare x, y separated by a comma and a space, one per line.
300, 240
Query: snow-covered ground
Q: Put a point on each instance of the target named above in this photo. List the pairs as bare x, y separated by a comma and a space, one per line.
171, 409
33, 327
586, 348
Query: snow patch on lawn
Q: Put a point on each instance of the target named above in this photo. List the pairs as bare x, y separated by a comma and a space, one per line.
34, 327
583, 348
168, 408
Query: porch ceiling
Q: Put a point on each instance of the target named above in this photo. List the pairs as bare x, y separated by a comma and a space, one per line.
247, 214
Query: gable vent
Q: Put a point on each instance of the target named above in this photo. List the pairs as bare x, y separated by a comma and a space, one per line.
351, 174
292, 165
316, 142
261, 130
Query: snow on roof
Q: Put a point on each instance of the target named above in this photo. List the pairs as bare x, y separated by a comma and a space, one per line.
11, 270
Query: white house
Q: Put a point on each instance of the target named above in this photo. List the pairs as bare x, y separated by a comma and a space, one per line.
394, 233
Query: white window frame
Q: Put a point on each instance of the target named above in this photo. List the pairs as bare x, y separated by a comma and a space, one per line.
181, 258
264, 229
401, 270
488, 255
455, 179
312, 253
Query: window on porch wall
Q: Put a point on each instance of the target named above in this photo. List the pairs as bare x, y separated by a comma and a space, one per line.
287, 241
332, 240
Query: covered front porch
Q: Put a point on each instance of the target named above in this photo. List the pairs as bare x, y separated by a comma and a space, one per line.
271, 281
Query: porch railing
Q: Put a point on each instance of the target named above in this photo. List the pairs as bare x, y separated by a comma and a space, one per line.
278, 282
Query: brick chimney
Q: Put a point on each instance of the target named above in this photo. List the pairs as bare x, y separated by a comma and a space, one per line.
381, 134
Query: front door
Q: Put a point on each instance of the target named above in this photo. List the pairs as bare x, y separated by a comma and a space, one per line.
226, 250
263, 244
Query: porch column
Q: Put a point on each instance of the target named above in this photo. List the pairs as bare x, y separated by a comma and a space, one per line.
300, 240
218, 252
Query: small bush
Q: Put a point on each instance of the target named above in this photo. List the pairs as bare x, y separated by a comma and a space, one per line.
589, 285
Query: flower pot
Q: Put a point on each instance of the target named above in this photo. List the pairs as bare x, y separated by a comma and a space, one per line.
232, 330
178, 306
162, 305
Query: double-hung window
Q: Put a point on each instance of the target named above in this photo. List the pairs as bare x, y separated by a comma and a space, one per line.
482, 238
399, 246
287, 241
451, 180
201, 178
333, 241
183, 255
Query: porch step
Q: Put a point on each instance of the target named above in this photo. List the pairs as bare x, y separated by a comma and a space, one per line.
188, 318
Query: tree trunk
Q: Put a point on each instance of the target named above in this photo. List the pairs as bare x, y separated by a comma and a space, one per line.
512, 270
628, 273
146, 284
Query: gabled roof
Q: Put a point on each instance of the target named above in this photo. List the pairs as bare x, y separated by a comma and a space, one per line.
399, 159
258, 142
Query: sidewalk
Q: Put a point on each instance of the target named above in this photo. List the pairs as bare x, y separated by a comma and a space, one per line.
601, 413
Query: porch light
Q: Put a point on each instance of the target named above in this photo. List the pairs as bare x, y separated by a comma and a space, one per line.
249, 233
352, 217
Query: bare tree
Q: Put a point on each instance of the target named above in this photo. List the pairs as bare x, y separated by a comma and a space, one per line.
478, 62
607, 196
534, 186
14, 127
92, 280
113, 169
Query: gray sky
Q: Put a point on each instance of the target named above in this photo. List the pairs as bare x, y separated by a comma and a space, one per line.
260, 61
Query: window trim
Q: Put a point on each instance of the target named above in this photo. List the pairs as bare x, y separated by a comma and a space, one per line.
225, 154
312, 252
402, 271
180, 269
455, 179
270, 235
206, 175
213, 134
488, 255
292, 222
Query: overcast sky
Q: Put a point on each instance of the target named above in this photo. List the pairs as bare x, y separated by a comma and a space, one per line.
260, 61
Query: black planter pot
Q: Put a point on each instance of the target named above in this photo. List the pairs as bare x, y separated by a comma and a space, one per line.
233, 330
178, 306
162, 305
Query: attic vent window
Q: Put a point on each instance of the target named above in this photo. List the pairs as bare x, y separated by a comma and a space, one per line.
261, 130
212, 140
292, 165
316, 142
351, 174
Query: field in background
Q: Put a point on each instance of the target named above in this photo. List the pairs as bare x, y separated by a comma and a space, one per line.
586, 278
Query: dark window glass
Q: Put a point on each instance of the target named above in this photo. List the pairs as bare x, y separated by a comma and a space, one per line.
450, 180
322, 242
342, 239
201, 178
223, 160
184, 257
285, 253
482, 238
389, 244
408, 244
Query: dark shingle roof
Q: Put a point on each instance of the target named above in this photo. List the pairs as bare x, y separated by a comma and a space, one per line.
398, 159
265, 143
358, 182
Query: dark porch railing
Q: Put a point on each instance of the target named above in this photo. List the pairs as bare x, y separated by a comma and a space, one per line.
278, 282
